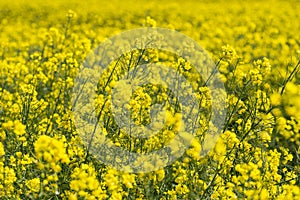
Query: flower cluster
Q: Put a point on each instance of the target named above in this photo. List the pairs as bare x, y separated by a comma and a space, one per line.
43, 51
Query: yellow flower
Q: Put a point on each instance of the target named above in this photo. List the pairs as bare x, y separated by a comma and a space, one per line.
128, 180
52, 151
33, 184
150, 22
2, 135
85, 183
2, 152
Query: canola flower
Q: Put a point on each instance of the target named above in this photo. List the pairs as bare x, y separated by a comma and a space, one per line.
255, 46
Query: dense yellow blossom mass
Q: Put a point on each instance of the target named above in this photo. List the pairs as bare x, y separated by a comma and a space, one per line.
255, 45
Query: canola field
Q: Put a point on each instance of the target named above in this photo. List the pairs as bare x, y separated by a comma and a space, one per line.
51, 149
